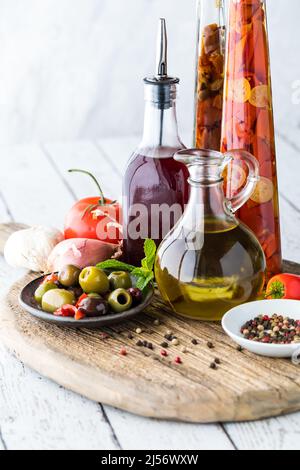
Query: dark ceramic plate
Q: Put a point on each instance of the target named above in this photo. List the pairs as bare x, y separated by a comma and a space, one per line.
29, 304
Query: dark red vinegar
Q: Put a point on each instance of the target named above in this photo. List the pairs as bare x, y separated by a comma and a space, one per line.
151, 182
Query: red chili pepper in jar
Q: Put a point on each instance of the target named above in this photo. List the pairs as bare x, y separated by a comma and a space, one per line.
284, 286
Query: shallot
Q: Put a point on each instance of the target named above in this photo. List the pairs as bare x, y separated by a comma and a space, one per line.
81, 252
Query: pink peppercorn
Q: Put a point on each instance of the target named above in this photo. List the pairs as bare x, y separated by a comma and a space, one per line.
178, 360
123, 352
163, 353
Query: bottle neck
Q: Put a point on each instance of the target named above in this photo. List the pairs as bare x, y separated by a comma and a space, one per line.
210, 197
160, 123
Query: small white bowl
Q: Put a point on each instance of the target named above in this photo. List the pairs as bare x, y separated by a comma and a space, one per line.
234, 320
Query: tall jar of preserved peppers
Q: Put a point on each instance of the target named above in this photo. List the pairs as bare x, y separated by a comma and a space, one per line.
209, 74
248, 122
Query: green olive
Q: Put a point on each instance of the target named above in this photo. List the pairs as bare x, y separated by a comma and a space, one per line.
56, 298
94, 280
42, 289
120, 300
119, 280
69, 276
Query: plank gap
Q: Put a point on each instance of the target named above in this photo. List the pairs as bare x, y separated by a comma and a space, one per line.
2, 440
6, 207
113, 434
56, 169
228, 435
107, 157
287, 141
290, 203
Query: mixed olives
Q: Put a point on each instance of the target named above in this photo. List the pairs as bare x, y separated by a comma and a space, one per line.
90, 292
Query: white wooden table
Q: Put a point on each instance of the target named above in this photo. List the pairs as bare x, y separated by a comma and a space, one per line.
35, 413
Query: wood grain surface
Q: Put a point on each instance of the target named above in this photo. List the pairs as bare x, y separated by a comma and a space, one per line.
244, 387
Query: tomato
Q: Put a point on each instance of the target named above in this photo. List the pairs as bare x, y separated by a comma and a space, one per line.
88, 219
96, 218
284, 286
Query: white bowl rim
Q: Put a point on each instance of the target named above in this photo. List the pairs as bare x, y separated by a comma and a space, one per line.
232, 334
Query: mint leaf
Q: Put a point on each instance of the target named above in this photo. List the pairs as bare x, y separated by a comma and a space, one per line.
144, 274
150, 252
115, 264
143, 282
140, 272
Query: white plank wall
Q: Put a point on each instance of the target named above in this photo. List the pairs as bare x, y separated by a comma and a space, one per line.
38, 414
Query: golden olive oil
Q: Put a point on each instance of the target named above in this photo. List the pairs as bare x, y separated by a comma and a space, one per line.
227, 269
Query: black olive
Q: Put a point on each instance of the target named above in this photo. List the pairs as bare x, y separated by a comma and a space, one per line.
93, 306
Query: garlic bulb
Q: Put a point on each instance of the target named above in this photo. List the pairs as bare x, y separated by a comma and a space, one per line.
30, 248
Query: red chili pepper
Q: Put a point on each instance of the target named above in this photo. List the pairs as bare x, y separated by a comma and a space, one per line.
82, 297
284, 286
51, 278
79, 315
66, 311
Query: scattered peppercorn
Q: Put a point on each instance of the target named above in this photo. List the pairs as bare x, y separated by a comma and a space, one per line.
168, 337
169, 332
104, 335
210, 345
139, 343
175, 341
150, 346
273, 329
184, 349
163, 353
156, 322
217, 361
138, 331
194, 341
164, 344
178, 360
239, 348
130, 336
123, 352
213, 365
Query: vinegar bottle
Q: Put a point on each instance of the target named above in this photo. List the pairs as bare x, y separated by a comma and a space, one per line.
248, 122
155, 187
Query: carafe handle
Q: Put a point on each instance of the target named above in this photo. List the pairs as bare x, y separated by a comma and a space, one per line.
237, 201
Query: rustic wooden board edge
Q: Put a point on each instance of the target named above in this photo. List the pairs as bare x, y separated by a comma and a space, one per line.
126, 395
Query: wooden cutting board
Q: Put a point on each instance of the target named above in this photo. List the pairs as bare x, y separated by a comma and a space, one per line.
243, 387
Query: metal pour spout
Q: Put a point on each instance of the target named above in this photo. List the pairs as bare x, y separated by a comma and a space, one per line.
162, 51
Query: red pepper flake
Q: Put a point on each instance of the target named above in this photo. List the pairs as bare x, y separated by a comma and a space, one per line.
79, 315
66, 311
123, 352
163, 353
81, 298
178, 360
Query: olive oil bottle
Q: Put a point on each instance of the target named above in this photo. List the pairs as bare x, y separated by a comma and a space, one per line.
210, 262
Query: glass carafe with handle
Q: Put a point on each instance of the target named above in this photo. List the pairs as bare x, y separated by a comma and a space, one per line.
211, 262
